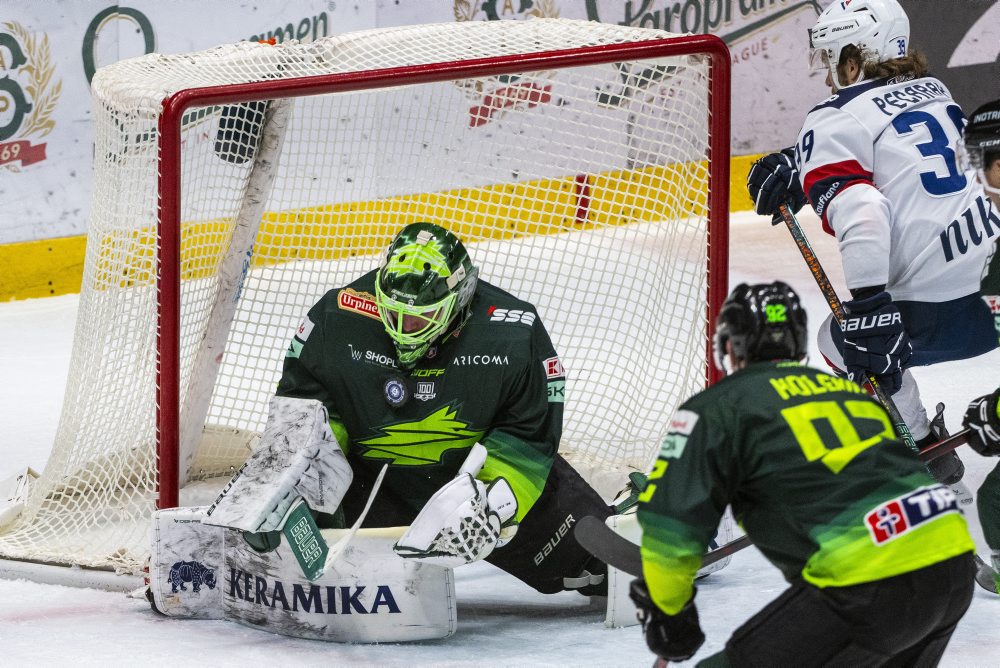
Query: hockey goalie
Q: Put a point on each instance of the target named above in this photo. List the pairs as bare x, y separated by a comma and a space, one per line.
445, 387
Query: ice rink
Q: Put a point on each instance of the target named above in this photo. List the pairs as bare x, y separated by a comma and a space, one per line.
501, 622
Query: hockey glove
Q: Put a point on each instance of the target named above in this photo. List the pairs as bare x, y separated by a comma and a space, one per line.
671, 637
875, 341
774, 180
983, 420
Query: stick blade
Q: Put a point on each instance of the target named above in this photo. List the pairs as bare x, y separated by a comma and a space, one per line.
601, 541
986, 577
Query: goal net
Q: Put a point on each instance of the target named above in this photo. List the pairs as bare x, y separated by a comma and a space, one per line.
584, 165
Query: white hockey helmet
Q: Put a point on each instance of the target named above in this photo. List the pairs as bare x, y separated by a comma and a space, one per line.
879, 28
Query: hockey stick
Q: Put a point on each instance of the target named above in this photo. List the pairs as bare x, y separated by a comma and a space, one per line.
945, 446
341, 545
615, 550
612, 548
986, 577
830, 294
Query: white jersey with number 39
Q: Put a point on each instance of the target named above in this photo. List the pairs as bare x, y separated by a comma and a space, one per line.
878, 163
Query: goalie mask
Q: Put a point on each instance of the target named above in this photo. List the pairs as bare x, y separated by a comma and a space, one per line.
424, 288
761, 322
879, 28
982, 142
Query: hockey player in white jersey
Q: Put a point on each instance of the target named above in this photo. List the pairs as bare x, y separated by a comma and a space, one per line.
877, 161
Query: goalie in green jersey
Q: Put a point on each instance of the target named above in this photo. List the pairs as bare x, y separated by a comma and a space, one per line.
877, 553
420, 364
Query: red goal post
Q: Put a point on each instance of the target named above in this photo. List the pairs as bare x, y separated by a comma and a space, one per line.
584, 165
177, 104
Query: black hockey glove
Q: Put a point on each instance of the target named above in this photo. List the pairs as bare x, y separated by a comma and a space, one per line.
774, 180
875, 341
671, 637
983, 421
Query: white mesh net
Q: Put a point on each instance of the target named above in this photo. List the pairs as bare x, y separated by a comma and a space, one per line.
581, 189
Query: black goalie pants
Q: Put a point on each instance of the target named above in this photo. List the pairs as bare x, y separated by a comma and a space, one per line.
906, 620
544, 550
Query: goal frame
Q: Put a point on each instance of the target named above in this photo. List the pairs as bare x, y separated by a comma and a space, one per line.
168, 255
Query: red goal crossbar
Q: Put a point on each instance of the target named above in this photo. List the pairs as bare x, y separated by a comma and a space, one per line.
169, 183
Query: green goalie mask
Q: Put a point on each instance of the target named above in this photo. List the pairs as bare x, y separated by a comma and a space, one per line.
424, 288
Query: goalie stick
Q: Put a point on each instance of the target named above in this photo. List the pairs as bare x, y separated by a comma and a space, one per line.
341, 545
601, 540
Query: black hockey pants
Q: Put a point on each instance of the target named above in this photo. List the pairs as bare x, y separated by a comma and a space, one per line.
906, 620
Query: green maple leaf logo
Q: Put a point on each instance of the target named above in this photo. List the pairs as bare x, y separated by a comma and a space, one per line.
421, 442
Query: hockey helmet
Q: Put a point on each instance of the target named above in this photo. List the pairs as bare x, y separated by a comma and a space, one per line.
426, 282
981, 141
880, 29
761, 322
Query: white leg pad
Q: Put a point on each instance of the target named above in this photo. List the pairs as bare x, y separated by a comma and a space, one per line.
726, 533
185, 568
368, 595
621, 611
298, 456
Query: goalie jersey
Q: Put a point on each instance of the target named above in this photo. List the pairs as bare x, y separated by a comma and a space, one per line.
496, 381
878, 163
814, 474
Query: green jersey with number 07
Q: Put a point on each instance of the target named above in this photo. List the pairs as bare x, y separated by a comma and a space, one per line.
814, 473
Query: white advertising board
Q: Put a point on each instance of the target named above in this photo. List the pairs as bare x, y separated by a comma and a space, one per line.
50, 48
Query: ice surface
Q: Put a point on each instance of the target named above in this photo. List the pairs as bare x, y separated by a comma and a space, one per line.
501, 621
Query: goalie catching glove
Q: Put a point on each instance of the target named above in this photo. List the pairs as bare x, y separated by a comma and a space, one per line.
983, 420
464, 521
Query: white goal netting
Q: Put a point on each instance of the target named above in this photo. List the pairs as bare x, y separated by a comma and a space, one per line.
578, 184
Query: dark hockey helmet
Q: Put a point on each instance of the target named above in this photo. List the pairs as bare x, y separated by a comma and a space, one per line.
424, 287
982, 141
762, 322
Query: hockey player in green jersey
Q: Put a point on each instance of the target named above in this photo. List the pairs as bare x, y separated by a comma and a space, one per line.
415, 363
877, 553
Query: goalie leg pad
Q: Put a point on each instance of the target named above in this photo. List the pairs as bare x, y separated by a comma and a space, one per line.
368, 595
621, 611
298, 457
186, 568
620, 608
